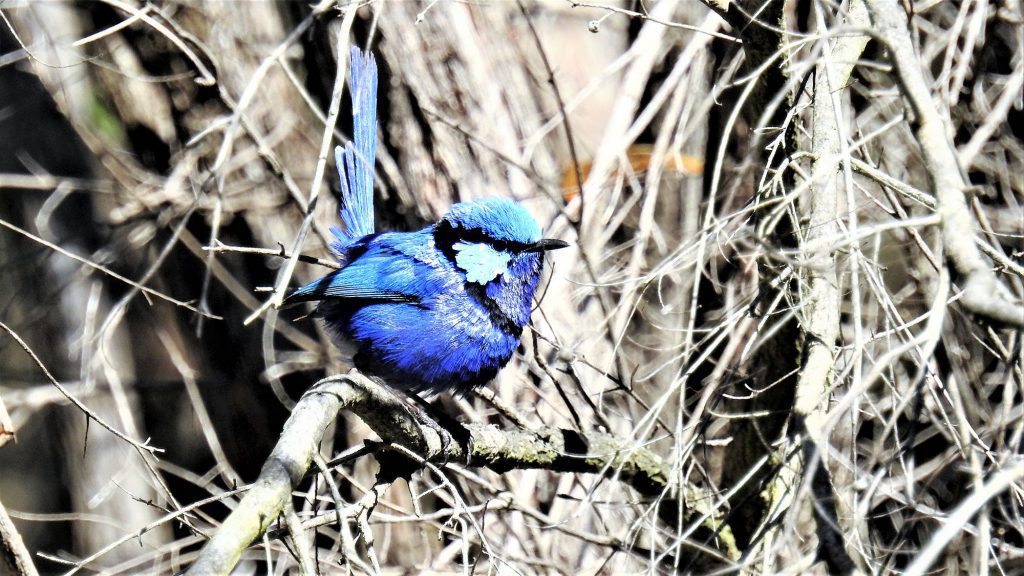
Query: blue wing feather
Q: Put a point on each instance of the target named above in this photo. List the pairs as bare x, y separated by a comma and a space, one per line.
356, 160
389, 267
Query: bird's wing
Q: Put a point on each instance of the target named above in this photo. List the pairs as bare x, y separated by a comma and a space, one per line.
335, 285
356, 160
388, 270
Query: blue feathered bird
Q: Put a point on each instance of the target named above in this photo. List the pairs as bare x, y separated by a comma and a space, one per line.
441, 309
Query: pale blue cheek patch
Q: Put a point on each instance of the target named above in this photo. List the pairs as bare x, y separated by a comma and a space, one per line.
480, 262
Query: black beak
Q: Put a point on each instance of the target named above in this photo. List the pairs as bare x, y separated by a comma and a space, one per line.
545, 245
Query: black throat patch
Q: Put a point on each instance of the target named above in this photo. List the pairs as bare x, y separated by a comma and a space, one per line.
497, 316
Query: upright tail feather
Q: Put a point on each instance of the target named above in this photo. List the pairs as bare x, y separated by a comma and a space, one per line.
356, 160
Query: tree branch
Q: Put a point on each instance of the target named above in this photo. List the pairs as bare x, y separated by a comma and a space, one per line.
819, 207
984, 294
13, 554
501, 450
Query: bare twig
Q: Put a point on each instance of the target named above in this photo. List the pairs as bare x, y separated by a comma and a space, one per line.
718, 7
14, 557
819, 291
963, 513
106, 271
6, 426
300, 541
169, 517
285, 467
142, 447
570, 140
285, 275
984, 294
280, 253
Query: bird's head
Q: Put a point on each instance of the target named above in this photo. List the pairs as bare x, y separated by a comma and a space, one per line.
490, 236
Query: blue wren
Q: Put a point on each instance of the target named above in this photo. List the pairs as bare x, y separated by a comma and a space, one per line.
441, 309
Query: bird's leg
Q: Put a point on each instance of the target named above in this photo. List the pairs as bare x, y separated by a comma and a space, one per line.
447, 428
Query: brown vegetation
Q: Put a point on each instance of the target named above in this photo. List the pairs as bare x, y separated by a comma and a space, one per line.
788, 338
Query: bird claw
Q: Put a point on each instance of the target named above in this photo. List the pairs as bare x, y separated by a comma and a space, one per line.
443, 434
448, 429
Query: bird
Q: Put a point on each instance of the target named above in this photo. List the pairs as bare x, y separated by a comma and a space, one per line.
437, 310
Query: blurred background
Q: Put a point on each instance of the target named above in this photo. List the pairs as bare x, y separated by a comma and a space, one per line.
142, 144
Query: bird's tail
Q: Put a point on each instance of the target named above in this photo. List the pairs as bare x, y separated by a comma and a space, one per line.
356, 160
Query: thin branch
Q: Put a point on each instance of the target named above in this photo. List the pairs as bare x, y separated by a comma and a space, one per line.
558, 99
280, 253
718, 7
285, 276
180, 513
6, 425
984, 294
107, 271
962, 515
13, 554
142, 447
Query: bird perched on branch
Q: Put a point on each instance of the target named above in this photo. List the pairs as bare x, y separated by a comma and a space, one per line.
441, 309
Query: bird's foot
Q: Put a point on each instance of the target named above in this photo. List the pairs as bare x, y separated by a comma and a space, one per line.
448, 429
442, 433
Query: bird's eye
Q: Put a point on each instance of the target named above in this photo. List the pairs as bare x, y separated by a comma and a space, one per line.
499, 245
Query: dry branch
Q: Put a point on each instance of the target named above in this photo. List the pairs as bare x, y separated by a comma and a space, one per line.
14, 558
984, 294
819, 293
958, 519
501, 450
645, 333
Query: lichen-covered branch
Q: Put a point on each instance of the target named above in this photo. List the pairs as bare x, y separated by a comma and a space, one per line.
285, 467
501, 450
